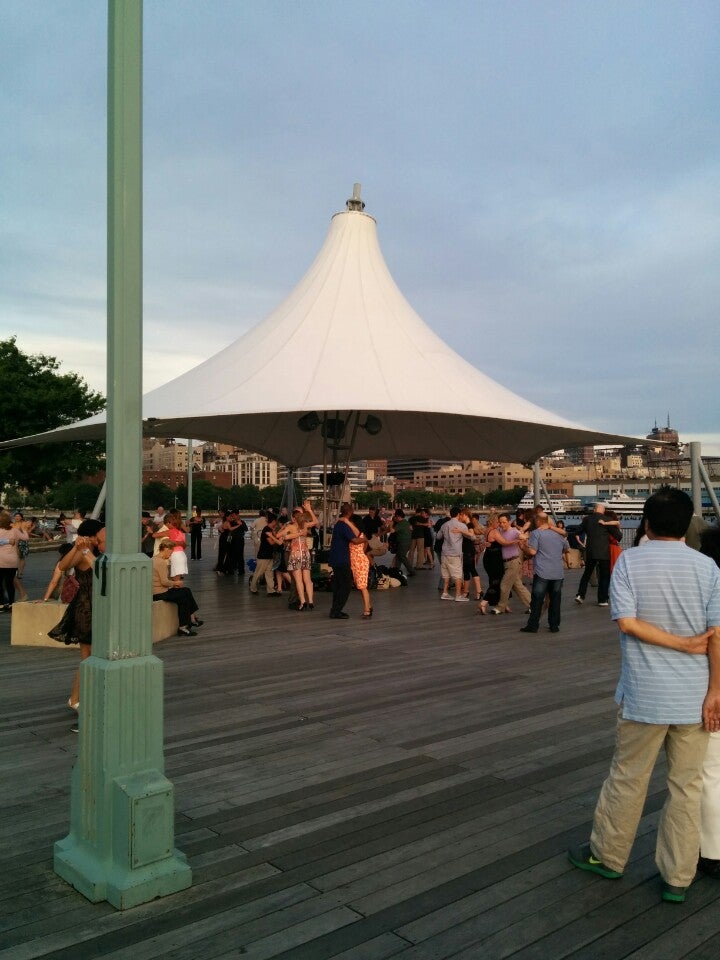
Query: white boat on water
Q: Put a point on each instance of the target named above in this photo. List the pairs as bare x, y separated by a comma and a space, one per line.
624, 506
556, 505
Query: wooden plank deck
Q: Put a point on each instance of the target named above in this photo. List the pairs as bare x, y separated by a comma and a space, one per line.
405, 787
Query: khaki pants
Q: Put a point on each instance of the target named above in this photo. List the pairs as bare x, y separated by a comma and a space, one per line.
622, 797
710, 823
512, 580
263, 568
417, 552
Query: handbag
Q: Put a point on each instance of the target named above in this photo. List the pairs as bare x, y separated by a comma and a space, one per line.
69, 588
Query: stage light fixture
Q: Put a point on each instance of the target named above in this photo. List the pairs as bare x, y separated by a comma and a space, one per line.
309, 422
333, 429
373, 425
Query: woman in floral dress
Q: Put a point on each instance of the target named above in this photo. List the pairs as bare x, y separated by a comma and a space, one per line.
299, 563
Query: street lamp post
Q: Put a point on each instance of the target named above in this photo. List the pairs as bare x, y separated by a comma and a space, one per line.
121, 842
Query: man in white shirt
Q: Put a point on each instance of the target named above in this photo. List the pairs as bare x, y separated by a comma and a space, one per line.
451, 533
257, 528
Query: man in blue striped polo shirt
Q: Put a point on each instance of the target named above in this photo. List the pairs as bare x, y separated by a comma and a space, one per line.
665, 599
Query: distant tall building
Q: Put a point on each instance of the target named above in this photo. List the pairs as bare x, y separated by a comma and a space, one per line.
376, 468
243, 466
580, 455
668, 436
403, 469
311, 478
164, 455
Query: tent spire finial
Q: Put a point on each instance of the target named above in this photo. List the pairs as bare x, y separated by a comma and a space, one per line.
355, 203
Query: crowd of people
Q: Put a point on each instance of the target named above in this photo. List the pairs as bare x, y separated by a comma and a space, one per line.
510, 550
664, 597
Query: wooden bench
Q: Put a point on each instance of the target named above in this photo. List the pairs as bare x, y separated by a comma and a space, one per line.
31, 622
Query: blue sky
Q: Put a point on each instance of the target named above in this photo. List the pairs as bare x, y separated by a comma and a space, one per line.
545, 177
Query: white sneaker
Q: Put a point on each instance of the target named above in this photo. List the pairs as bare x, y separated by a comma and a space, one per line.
579, 599
462, 599
603, 604
446, 596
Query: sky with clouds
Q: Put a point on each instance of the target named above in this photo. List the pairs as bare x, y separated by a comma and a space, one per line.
545, 175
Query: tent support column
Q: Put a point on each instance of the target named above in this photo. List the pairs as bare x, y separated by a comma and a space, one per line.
288, 498
699, 473
537, 480
189, 480
326, 528
710, 489
121, 842
346, 484
333, 433
100, 502
550, 508
539, 489
695, 480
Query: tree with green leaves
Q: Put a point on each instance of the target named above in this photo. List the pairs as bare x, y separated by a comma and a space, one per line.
34, 398
503, 498
204, 495
157, 494
72, 495
248, 496
272, 497
372, 498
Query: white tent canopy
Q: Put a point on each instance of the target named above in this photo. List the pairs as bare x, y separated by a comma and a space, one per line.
346, 344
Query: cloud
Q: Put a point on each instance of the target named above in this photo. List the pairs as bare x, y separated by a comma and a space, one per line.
545, 178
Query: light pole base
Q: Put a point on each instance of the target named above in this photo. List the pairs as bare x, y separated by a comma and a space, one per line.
121, 844
140, 862
121, 887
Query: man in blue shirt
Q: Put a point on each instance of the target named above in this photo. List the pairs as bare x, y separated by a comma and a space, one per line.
546, 545
339, 560
665, 599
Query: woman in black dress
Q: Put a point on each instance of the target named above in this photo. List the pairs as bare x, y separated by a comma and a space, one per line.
234, 529
76, 623
493, 564
222, 556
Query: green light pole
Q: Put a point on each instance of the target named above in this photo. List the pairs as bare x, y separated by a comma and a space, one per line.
121, 842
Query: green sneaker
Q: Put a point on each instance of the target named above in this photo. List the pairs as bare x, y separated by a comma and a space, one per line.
584, 859
673, 894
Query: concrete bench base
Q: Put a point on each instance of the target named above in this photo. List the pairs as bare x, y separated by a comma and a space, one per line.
31, 622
